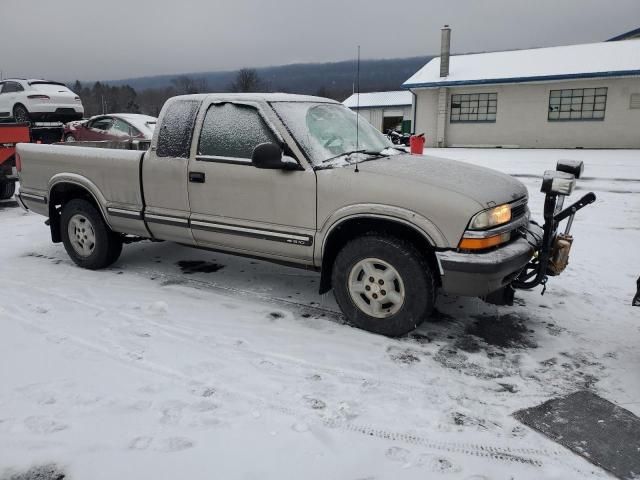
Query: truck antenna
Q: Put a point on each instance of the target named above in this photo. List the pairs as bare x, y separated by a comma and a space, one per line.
357, 105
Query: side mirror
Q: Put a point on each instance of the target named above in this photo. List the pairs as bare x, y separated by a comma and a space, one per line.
270, 156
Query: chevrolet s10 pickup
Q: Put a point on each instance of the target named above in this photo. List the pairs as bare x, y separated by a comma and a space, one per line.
299, 180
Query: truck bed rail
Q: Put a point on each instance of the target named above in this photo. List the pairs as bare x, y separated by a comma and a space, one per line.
115, 144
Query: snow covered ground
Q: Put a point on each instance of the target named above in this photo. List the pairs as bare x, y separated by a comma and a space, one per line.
153, 369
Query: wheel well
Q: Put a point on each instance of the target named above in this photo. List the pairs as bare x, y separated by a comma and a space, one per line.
18, 104
60, 194
350, 229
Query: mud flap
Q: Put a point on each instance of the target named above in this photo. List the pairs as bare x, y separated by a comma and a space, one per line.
504, 296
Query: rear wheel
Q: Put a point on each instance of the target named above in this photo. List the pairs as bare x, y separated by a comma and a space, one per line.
86, 237
7, 189
383, 284
21, 114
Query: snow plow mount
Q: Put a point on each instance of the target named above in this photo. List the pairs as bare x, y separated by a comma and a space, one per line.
551, 254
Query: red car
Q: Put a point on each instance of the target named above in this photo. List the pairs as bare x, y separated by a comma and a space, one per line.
116, 126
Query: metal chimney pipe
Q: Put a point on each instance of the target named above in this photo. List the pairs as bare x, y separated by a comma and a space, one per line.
445, 51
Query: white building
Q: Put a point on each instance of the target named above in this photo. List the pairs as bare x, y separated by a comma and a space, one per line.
384, 110
560, 97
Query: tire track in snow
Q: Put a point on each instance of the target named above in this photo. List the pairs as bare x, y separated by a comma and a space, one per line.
231, 292
182, 280
192, 335
531, 456
506, 454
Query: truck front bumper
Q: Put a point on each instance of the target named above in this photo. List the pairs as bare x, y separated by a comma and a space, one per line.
478, 274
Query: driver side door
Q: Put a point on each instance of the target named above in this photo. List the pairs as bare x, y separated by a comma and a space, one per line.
238, 207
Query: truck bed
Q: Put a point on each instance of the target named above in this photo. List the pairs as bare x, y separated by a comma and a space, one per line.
112, 176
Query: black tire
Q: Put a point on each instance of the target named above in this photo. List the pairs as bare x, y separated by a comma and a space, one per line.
7, 189
21, 114
107, 245
69, 138
414, 270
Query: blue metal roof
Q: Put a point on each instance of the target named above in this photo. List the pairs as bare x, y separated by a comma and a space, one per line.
624, 36
493, 81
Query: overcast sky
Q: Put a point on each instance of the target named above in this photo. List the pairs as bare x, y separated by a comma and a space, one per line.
113, 39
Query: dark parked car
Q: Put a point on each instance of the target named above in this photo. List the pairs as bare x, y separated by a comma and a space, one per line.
117, 126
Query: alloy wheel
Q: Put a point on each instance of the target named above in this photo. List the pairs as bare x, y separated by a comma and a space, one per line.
376, 288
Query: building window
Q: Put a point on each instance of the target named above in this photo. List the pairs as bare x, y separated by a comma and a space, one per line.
474, 107
635, 100
577, 104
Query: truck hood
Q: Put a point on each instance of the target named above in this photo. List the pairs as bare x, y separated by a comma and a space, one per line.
486, 186
442, 194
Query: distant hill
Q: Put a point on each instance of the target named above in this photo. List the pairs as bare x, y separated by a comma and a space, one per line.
334, 79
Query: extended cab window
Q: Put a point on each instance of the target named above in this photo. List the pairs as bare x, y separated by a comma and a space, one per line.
233, 131
174, 140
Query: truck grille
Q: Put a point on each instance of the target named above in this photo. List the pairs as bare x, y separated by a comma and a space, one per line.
518, 209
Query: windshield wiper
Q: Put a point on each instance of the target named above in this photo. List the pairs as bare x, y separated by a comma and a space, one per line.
374, 155
349, 153
379, 155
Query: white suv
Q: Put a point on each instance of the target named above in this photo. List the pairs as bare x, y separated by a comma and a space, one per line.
38, 100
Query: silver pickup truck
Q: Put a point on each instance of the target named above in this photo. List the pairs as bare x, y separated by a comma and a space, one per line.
298, 180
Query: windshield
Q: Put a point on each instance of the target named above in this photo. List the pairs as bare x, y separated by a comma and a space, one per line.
327, 131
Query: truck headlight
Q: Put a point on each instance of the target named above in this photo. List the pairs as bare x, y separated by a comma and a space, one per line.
559, 183
491, 217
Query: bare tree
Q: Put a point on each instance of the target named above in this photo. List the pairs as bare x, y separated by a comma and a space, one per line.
247, 80
185, 85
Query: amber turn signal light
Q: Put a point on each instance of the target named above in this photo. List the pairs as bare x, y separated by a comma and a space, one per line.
483, 243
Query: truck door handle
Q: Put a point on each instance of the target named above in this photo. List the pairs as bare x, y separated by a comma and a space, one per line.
196, 177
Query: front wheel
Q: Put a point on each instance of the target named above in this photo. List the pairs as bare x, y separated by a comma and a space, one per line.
86, 237
69, 138
7, 189
383, 284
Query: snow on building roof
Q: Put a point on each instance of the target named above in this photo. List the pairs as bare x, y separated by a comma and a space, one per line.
593, 60
380, 99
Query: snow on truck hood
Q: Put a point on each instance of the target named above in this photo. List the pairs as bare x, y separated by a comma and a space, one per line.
486, 186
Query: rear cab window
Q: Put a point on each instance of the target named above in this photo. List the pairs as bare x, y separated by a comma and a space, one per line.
230, 131
176, 129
